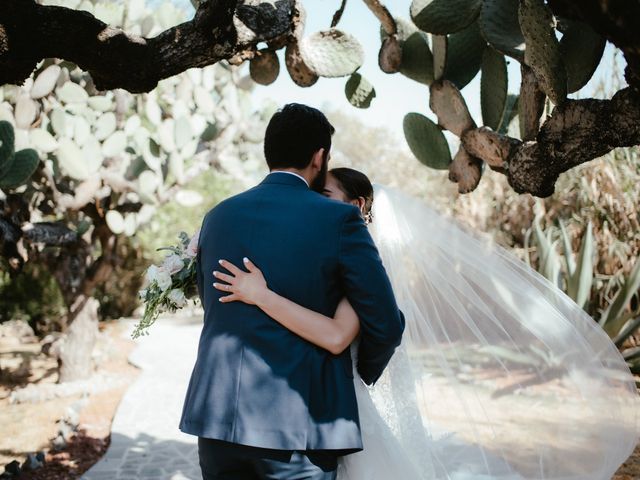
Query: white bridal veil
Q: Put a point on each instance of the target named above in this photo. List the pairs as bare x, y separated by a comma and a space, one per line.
500, 374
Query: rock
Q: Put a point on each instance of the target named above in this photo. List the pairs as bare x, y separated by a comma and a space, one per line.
13, 468
64, 429
17, 329
32, 462
72, 416
59, 443
35, 393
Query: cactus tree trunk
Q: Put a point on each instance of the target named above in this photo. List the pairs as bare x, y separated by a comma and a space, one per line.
577, 131
75, 354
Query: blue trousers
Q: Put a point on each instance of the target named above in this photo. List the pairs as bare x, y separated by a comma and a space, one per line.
228, 461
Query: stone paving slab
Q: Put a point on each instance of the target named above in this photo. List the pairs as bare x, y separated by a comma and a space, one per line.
145, 440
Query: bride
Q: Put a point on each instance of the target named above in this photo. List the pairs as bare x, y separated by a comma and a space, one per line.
499, 375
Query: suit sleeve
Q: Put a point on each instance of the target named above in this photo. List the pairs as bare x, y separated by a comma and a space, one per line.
368, 289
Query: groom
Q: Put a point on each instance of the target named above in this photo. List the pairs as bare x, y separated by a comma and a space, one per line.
264, 403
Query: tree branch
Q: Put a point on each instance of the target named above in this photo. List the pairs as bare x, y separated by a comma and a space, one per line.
30, 32
577, 131
338, 15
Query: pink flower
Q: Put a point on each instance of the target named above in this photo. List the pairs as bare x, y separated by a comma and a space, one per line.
173, 264
192, 248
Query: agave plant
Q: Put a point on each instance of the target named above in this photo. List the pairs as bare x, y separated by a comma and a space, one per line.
575, 275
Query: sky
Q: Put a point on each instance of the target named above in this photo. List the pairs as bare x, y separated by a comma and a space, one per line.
396, 95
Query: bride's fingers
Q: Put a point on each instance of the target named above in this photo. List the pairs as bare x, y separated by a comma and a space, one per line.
229, 298
224, 277
223, 287
231, 267
250, 265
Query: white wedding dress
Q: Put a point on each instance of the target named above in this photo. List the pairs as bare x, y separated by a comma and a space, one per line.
500, 376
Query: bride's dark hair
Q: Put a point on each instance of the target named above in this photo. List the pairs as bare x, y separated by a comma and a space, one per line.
355, 184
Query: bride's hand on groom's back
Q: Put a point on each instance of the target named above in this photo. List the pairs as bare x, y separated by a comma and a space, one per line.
242, 286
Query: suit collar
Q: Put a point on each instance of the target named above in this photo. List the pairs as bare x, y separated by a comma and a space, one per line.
282, 178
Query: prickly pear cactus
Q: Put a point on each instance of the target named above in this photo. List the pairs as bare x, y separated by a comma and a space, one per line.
15, 167
441, 17
332, 53
543, 49
116, 147
427, 141
493, 88
264, 67
359, 91
500, 27
417, 59
464, 55
581, 50
7, 141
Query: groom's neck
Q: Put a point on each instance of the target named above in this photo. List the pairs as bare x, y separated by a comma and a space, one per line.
303, 173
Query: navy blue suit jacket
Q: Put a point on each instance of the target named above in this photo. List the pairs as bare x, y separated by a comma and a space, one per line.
256, 383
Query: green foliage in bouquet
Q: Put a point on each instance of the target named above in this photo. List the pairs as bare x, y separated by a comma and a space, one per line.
170, 285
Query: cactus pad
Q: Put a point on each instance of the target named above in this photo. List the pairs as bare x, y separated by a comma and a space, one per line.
493, 88
22, 167
444, 16
417, 59
264, 68
332, 53
464, 55
500, 27
582, 50
426, 141
509, 113
45, 82
390, 56
543, 49
359, 91
7, 143
298, 70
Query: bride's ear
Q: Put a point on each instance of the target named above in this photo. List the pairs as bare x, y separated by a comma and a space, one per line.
360, 202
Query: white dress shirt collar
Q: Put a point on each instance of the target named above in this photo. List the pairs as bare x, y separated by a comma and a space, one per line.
292, 173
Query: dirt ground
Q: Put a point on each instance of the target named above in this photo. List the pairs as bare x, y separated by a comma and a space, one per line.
630, 470
30, 427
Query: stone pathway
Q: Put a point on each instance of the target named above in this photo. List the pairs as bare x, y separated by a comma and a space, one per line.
145, 440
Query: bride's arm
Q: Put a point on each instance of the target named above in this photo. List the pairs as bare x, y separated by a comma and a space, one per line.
332, 334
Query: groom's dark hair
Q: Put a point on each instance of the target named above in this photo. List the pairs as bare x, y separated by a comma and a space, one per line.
294, 134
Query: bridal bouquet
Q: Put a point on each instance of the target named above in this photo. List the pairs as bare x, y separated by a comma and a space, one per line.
168, 287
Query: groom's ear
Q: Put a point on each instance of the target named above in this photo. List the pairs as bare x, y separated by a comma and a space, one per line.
318, 159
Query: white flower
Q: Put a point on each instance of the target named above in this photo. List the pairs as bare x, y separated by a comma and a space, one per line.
192, 248
177, 297
152, 274
163, 279
142, 294
173, 263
